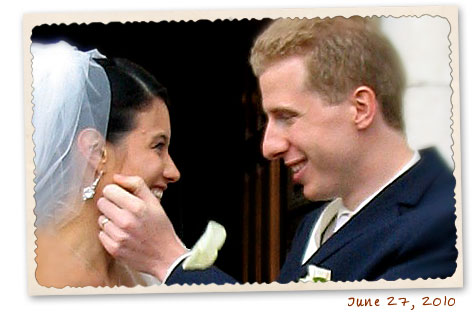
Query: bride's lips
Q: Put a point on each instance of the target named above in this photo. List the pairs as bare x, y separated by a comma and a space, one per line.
297, 168
158, 192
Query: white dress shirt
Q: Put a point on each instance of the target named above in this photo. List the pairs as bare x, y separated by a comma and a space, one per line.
344, 215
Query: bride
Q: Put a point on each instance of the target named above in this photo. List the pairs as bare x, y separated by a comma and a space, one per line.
93, 118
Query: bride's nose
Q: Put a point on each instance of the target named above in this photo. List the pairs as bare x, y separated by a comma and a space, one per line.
171, 172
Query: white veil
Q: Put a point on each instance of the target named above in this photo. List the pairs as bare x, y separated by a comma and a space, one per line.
70, 92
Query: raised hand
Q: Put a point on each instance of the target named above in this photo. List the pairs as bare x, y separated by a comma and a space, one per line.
135, 228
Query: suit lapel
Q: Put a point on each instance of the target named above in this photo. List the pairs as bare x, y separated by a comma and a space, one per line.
404, 192
376, 213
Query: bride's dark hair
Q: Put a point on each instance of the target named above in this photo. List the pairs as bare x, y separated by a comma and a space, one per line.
132, 91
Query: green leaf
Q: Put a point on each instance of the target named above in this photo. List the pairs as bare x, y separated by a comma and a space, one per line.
319, 279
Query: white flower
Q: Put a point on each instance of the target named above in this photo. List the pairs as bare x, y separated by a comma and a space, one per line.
205, 251
317, 274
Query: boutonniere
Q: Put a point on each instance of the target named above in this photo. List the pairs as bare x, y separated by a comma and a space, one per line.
317, 274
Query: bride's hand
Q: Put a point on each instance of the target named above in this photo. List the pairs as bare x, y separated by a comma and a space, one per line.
137, 232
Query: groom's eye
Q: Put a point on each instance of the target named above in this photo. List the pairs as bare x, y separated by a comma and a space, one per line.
284, 116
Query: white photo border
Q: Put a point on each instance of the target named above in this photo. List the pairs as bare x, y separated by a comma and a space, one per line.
31, 20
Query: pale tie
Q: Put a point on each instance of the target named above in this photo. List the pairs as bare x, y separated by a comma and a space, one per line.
340, 219
328, 215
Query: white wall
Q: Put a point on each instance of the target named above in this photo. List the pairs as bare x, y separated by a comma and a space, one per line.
423, 45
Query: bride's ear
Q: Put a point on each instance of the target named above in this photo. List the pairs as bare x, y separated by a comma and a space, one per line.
91, 145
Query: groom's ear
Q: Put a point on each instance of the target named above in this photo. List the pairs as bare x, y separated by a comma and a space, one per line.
91, 146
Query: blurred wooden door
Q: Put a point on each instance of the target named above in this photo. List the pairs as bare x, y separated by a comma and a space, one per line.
262, 204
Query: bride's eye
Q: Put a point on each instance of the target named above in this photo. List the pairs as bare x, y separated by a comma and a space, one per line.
159, 147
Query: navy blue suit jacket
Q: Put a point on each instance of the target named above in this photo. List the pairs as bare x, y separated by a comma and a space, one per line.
406, 232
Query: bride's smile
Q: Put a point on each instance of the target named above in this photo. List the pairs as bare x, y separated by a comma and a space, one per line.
144, 151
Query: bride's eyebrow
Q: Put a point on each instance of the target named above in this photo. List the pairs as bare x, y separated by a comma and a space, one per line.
161, 136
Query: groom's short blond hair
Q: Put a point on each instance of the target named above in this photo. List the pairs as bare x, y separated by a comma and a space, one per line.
340, 54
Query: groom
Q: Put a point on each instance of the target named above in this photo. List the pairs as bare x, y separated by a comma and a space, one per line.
332, 91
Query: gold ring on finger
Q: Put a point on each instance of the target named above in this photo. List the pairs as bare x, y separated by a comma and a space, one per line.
104, 221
